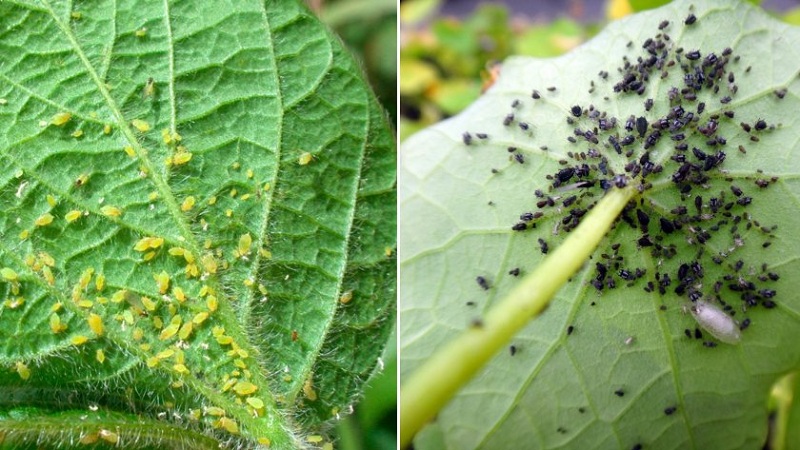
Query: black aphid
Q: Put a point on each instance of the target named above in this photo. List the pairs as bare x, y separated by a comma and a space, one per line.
512, 349
619, 393
543, 246
663, 24
670, 410
508, 119
519, 157
551, 88
570, 329
482, 135
482, 282
693, 55
761, 124
709, 344
523, 126
690, 19
641, 126
780, 93
648, 104
666, 225
576, 111
535, 95
643, 218
467, 138
745, 323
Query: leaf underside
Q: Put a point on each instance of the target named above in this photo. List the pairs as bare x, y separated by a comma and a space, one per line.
612, 366
204, 194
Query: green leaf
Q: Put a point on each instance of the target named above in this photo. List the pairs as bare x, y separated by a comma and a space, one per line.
189, 191
458, 203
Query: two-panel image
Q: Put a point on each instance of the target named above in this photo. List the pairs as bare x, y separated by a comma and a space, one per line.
413, 224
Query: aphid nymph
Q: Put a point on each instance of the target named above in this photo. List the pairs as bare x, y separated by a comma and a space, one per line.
716, 321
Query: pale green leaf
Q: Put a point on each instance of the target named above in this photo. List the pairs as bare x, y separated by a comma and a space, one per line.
458, 203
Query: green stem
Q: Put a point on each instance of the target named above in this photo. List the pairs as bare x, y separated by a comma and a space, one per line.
782, 397
434, 383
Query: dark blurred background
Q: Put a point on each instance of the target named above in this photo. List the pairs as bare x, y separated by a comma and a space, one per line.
450, 50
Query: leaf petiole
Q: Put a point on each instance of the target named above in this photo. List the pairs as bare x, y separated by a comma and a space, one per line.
433, 384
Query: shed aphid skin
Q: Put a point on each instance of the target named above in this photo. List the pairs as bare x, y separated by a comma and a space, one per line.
716, 322
149, 88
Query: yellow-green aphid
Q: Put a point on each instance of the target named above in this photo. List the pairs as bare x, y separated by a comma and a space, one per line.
165, 354
308, 390
109, 436
212, 303
56, 326
60, 118
96, 324
100, 355
106, 129
179, 294
81, 180
149, 88
23, 370
44, 220
185, 331
162, 280
8, 274
181, 156
130, 151
304, 158
250, 173
148, 304
79, 339
72, 216
141, 32
227, 424
180, 368
140, 125
51, 200
171, 329
209, 263
100, 282
76, 15
244, 388
188, 203
86, 278
200, 318
77, 133
48, 276
245, 241
90, 438
255, 402
314, 439
111, 211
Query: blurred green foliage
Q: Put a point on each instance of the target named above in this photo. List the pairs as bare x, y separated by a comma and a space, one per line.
369, 29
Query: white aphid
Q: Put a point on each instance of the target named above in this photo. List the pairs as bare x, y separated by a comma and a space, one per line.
716, 321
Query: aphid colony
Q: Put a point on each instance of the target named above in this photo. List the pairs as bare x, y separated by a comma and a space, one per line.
687, 124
